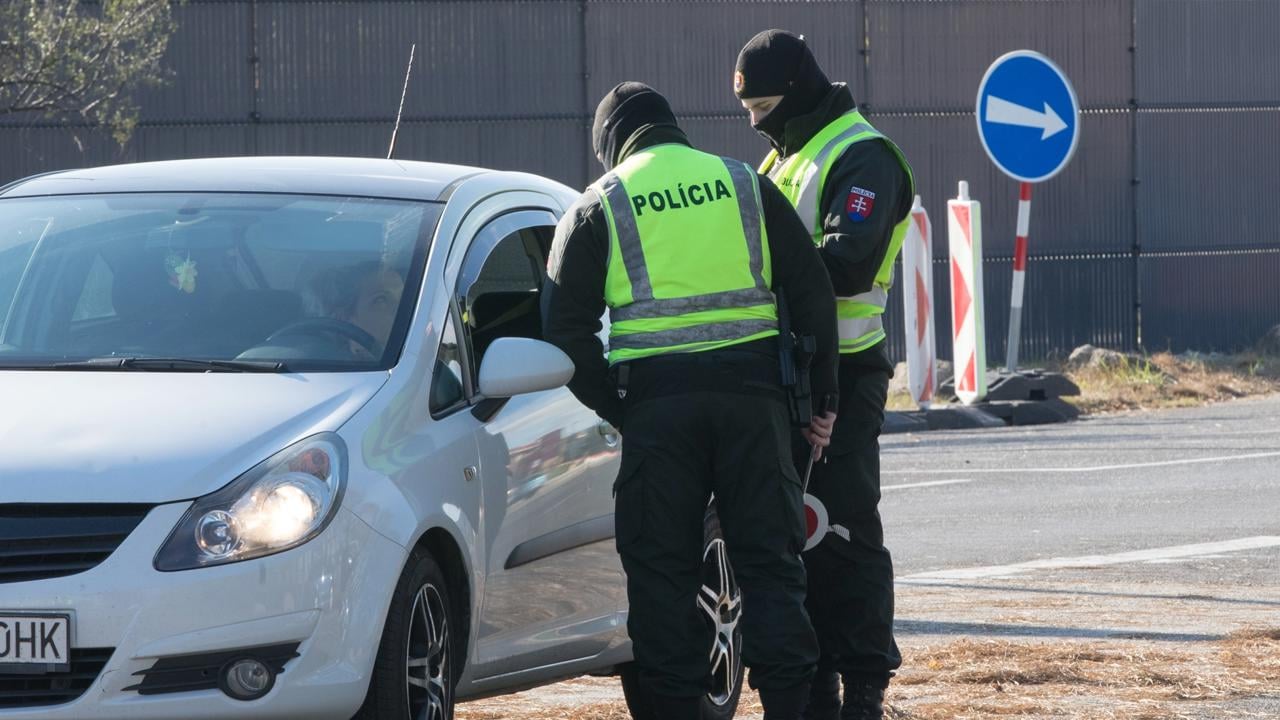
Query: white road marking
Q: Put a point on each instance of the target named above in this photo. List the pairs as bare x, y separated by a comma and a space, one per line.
1151, 555
1096, 468
931, 483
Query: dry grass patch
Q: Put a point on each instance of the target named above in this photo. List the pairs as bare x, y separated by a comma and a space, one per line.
971, 679
595, 711
1162, 380
989, 678
1165, 380
1252, 656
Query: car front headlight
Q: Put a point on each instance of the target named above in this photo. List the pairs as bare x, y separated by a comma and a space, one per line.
280, 504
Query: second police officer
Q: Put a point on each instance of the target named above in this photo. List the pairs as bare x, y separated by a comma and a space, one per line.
684, 249
853, 190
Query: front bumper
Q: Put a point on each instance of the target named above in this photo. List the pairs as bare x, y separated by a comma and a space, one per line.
330, 595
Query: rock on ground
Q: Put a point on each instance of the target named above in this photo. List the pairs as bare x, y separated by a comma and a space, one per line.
1270, 343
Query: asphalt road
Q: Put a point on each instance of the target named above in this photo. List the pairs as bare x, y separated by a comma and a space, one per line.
1152, 535
1141, 482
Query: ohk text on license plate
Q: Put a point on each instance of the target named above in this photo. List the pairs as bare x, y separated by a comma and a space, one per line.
34, 643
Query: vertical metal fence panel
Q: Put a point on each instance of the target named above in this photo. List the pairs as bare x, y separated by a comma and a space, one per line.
501, 144
347, 60
1208, 51
334, 139
178, 142
505, 145
687, 50
732, 137
1087, 208
208, 59
1069, 302
29, 150
1209, 179
931, 55
512, 84
1209, 303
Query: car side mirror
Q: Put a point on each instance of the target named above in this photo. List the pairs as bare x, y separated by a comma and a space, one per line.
516, 366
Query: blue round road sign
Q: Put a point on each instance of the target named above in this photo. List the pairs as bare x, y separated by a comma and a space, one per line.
1028, 116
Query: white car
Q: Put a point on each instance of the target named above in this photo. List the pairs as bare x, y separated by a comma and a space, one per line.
279, 440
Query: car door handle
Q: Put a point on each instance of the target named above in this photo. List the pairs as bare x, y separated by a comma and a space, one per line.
469, 473
609, 433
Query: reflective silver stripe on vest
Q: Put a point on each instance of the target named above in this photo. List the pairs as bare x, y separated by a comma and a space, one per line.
643, 303
707, 332
749, 211
877, 296
807, 203
624, 223
669, 307
852, 329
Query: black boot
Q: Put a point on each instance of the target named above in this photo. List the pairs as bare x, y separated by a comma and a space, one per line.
862, 700
824, 697
785, 704
670, 707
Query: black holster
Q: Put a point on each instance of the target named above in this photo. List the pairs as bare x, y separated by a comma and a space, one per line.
795, 355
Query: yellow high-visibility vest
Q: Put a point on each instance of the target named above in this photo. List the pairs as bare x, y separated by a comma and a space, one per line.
802, 178
689, 267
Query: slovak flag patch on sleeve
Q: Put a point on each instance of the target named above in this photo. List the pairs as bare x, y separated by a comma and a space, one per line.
859, 204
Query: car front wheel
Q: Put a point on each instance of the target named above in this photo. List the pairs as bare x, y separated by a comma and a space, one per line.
416, 668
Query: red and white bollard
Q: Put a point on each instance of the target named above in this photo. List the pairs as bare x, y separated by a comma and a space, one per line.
917, 301
1019, 274
969, 344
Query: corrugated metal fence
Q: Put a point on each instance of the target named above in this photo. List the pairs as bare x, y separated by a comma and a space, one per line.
1161, 233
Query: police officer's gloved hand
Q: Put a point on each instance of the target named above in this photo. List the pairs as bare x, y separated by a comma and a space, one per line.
819, 432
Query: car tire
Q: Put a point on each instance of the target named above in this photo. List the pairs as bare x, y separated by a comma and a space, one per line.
720, 603
421, 651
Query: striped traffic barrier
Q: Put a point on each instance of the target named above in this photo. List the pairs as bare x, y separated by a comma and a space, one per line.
964, 236
917, 301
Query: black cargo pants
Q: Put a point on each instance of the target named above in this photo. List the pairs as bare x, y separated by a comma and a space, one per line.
850, 572
698, 424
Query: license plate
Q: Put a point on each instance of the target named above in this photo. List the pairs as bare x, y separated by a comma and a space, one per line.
34, 643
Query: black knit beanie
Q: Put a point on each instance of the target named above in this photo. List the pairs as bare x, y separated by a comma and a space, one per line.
627, 108
776, 62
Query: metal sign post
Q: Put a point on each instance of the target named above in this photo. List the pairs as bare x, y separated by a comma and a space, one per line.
1028, 121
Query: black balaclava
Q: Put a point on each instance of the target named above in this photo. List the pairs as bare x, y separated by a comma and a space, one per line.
775, 62
626, 109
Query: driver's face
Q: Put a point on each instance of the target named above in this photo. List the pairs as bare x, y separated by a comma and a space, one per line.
376, 304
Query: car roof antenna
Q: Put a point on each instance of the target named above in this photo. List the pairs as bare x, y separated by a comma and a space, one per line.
407, 71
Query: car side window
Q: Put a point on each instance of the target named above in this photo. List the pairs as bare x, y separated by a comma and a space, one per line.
448, 386
502, 278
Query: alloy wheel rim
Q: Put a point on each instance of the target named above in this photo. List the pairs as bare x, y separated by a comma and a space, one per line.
721, 604
427, 691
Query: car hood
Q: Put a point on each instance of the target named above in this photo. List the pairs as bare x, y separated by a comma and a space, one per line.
138, 437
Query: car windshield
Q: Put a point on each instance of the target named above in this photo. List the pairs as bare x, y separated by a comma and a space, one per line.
209, 281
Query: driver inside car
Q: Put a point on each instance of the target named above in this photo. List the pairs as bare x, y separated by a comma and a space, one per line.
366, 296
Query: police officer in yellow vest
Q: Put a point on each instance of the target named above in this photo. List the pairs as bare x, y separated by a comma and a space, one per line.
853, 190
684, 249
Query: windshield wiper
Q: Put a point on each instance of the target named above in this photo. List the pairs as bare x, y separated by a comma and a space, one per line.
146, 364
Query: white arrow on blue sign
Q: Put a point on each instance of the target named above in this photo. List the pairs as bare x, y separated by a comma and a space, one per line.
1028, 116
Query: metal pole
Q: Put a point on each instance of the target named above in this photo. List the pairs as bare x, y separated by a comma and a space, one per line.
808, 470
1019, 274
405, 91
